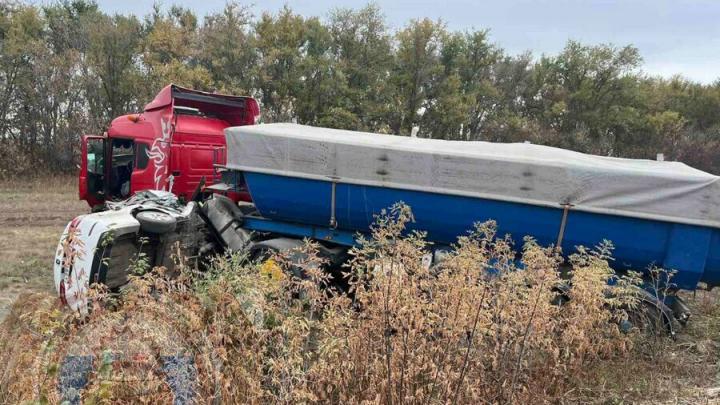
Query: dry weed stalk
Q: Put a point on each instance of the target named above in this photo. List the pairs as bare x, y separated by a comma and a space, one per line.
480, 327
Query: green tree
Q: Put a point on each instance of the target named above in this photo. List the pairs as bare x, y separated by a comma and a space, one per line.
67, 68
170, 51
114, 78
362, 49
46, 109
279, 44
589, 93
227, 49
417, 63
462, 97
321, 94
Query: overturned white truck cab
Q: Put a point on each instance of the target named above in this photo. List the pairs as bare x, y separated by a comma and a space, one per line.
103, 247
154, 229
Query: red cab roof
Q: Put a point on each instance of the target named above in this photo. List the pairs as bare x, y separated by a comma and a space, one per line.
191, 98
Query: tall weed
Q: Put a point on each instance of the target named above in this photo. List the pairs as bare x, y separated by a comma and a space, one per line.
484, 325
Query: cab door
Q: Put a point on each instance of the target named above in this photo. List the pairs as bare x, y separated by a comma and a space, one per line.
142, 175
191, 162
92, 178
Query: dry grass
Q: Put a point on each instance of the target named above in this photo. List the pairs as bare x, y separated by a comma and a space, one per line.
33, 214
660, 370
407, 334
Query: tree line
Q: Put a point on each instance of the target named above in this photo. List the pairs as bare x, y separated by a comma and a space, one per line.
68, 68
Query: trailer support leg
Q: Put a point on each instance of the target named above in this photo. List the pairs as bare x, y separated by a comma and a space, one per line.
563, 223
333, 219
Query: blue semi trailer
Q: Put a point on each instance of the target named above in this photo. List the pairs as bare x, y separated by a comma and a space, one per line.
328, 184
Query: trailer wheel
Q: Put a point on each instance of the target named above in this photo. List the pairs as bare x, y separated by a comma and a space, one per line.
156, 222
650, 319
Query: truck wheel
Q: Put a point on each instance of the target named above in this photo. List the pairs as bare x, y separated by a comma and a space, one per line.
156, 222
650, 320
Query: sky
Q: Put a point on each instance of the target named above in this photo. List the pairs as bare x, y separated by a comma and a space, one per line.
673, 36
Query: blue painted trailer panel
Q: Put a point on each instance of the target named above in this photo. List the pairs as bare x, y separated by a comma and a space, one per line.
712, 264
639, 243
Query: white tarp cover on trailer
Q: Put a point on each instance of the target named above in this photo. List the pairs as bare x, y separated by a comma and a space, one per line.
517, 172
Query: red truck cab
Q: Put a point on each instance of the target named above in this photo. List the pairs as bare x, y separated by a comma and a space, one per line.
173, 144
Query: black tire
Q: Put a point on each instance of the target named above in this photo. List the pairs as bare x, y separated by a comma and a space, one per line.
156, 222
649, 319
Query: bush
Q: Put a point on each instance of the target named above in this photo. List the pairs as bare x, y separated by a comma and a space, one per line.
480, 326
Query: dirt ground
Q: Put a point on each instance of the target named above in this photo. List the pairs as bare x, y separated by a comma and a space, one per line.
32, 217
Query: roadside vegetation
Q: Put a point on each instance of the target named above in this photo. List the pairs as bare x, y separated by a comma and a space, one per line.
67, 68
479, 328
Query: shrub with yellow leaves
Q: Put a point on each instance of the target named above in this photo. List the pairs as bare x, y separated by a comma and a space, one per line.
485, 324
